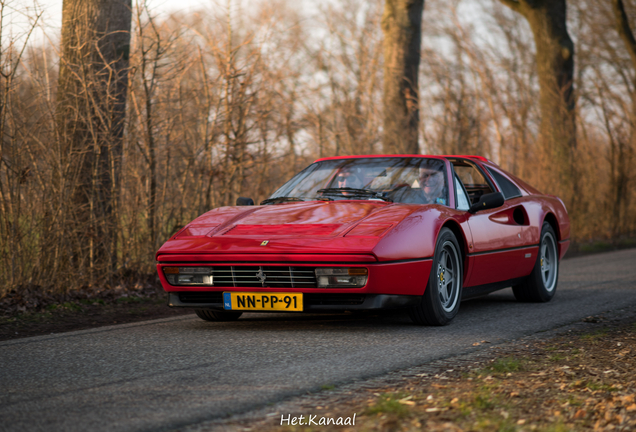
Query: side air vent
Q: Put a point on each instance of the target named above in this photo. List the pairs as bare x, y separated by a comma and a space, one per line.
519, 216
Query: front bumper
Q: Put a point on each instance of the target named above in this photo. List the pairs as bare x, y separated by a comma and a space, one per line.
312, 302
390, 284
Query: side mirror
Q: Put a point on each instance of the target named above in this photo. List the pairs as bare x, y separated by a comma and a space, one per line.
488, 201
241, 201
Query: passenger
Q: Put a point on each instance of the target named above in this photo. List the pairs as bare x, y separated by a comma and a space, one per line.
348, 180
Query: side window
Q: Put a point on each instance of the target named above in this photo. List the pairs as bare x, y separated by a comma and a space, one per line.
462, 198
474, 181
508, 188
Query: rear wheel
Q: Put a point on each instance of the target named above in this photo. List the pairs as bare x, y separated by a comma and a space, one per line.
541, 285
440, 302
212, 315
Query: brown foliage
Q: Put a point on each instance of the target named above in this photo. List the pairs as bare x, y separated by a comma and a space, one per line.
233, 102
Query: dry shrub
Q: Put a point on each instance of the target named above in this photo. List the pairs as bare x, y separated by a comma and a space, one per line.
226, 104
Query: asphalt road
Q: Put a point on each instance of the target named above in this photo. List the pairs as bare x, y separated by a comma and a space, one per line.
165, 374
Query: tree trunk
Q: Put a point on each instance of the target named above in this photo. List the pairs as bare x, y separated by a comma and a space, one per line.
402, 28
623, 160
91, 102
555, 69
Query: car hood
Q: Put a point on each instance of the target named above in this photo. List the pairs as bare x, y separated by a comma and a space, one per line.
317, 227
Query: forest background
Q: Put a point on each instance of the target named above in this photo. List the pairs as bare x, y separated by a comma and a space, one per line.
114, 137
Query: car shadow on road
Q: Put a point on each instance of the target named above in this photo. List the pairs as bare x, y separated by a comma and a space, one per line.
348, 321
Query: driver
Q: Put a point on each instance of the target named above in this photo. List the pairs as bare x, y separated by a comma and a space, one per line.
432, 185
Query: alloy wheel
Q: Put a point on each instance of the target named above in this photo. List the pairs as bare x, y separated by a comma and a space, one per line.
549, 261
448, 276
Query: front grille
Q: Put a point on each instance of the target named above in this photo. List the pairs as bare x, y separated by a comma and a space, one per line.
201, 297
264, 276
333, 299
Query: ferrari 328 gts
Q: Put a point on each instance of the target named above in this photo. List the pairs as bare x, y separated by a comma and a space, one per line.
412, 232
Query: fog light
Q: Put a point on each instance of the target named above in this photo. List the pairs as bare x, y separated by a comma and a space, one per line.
354, 277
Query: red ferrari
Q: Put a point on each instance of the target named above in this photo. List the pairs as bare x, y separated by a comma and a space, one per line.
419, 233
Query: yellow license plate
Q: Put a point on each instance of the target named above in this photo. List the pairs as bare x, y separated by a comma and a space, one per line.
269, 301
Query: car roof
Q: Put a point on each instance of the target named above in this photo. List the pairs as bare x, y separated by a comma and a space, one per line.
480, 158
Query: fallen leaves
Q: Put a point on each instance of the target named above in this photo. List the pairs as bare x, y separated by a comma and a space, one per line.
407, 401
435, 409
580, 414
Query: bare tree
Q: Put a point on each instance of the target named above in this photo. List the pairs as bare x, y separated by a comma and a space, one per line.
555, 69
91, 103
345, 112
223, 104
14, 165
149, 71
622, 150
402, 28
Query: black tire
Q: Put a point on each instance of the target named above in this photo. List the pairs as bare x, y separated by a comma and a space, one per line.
437, 309
541, 285
212, 315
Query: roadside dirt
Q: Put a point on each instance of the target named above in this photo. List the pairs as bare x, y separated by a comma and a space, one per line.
85, 313
576, 382
579, 380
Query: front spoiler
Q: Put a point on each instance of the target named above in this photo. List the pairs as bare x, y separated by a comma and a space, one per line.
370, 302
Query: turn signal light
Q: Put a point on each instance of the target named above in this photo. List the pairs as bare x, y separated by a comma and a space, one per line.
353, 277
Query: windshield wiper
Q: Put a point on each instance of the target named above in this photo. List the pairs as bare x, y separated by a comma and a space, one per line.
355, 192
282, 199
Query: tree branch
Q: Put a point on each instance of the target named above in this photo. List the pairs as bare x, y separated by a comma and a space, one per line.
515, 5
624, 30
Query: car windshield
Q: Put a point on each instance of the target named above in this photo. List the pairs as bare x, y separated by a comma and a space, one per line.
394, 179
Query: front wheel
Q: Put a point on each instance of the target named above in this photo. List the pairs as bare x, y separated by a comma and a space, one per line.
541, 285
211, 315
440, 302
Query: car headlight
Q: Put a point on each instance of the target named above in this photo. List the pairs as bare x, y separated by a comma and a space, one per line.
354, 277
188, 275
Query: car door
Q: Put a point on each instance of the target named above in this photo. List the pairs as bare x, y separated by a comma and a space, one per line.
497, 246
